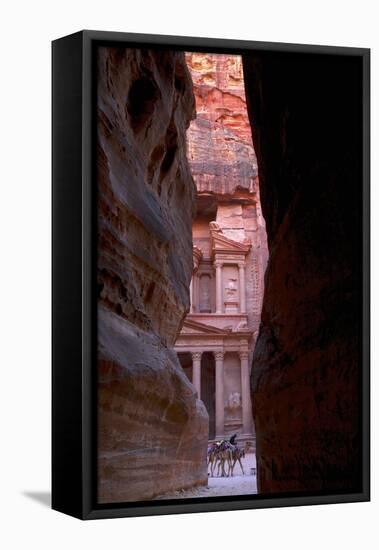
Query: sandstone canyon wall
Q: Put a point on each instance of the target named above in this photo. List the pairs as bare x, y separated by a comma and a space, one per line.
306, 115
152, 429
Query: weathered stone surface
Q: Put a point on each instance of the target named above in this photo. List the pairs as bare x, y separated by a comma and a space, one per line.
152, 430
220, 149
306, 112
224, 167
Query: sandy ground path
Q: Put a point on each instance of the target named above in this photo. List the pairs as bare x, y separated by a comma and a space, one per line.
239, 484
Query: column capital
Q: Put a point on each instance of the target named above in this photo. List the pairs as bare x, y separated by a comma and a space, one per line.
219, 355
218, 263
244, 354
197, 254
196, 355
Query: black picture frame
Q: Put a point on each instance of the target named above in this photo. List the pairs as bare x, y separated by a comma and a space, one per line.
74, 288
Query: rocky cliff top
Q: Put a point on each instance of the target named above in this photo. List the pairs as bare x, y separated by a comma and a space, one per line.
220, 147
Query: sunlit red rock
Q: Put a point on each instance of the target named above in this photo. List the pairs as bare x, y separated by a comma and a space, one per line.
223, 164
220, 148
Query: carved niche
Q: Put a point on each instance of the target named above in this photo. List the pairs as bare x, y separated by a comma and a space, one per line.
233, 407
231, 295
205, 293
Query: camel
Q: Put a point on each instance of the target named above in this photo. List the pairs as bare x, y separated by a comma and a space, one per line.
224, 457
212, 458
220, 454
237, 454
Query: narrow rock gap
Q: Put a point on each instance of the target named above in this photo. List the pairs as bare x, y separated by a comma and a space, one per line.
217, 335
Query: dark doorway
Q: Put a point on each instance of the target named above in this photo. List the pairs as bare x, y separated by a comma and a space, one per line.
185, 360
208, 389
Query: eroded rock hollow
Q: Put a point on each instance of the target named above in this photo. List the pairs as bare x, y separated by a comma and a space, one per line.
306, 115
152, 429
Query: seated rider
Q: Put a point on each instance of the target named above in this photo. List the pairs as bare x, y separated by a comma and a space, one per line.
232, 440
224, 444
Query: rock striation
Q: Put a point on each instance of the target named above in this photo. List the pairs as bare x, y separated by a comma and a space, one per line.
152, 429
220, 148
307, 119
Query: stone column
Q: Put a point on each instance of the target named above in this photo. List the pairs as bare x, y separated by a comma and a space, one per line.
220, 428
241, 268
196, 371
246, 398
218, 287
191, 295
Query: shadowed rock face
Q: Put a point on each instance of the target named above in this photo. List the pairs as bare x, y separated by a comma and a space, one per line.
306, 115
152, 429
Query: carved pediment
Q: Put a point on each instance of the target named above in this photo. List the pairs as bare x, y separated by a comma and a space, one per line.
194, 327
188, 330
223, 244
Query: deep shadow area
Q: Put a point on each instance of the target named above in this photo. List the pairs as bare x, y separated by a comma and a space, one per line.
208, 389
306, 115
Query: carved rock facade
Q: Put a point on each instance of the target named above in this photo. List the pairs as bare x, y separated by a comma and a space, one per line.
152, 429
230, 251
